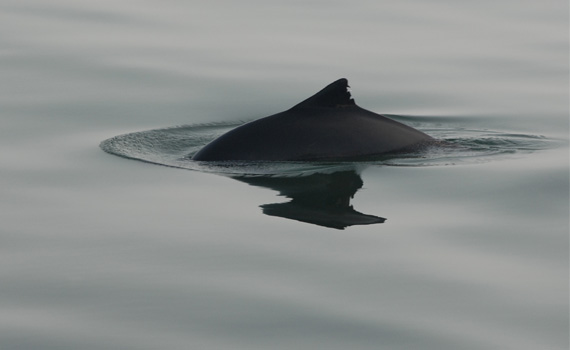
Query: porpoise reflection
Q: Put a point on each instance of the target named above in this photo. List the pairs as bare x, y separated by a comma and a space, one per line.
322, 199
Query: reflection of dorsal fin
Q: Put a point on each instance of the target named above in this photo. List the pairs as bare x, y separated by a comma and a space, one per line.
333, 95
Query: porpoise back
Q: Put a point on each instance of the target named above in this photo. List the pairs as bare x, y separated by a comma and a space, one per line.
327, 126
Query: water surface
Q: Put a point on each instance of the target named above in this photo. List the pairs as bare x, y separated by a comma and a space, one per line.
98, 251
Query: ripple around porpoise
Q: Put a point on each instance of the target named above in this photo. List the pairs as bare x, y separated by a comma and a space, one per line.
461, 144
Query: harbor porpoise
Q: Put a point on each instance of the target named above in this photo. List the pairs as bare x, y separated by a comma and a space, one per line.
326, 126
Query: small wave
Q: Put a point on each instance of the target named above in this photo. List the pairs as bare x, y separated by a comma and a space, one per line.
175, 147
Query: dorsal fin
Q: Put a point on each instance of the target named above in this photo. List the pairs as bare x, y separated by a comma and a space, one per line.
333, 95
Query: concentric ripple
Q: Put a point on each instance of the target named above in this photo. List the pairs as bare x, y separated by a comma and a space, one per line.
461, 144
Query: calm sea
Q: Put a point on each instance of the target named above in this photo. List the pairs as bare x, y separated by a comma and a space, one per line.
102, 252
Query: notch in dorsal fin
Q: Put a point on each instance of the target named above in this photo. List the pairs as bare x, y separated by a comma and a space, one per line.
333, 95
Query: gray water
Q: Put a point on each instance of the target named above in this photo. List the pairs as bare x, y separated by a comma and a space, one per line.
102, 252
